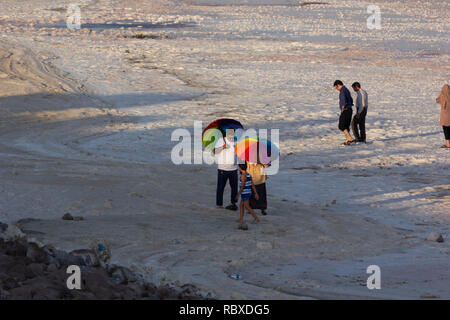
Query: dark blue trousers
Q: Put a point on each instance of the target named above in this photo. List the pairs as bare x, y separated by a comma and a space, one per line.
222, 178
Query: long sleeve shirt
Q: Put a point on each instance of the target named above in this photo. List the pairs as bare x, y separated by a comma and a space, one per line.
345, 98
361, 101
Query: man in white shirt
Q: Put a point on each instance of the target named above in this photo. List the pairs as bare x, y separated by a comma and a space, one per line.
227, 169
359, 120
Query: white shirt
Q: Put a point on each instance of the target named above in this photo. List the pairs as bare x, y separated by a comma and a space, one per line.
362, 101
226, 158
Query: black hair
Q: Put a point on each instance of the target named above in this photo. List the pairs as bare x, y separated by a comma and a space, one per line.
338, 83
356, 85
243, 166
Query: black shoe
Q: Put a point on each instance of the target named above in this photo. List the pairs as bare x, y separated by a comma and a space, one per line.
232, 207
263, 212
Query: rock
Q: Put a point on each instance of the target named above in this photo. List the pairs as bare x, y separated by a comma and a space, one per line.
118, 276
87, 257
333, 202
27, 220
67, 216
37, 269
96, 282
137, 290
25, 292
16, 249
13, 232
129, 275
264, 245
3, 227
10, 283
51, 256
35, 254
188, 292
64, 259
4, 295
167, 292
52, 268
437, 237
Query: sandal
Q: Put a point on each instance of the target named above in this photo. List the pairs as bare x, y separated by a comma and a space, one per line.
243, 226
444, 147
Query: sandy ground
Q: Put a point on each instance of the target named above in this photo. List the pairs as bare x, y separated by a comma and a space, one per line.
87, 118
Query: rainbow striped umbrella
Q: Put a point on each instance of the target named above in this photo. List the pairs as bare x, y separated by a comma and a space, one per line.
217, 130
254, 149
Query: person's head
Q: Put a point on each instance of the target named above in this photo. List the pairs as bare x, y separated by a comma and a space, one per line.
444, 96
338, 84
229, 134
356, 86
243, 167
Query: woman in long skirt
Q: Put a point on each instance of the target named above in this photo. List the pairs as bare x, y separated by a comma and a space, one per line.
444, 100
259, 178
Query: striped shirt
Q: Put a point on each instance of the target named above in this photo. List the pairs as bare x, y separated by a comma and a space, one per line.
248, 185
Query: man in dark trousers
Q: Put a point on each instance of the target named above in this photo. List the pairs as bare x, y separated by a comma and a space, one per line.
359, 120
227, 171
345, 106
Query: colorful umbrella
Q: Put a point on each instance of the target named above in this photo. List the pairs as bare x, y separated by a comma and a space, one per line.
217, 130
254, 149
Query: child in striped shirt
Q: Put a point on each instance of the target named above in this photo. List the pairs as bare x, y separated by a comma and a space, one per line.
245, 192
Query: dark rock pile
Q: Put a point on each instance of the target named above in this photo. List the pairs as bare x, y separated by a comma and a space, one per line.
30, 272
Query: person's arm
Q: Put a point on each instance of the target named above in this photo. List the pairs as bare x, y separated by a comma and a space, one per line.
366, 98
342, 100
254, 191
243, 179
219, 149
359, 103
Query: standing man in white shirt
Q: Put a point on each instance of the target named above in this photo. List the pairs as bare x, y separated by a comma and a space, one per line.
359, 120
227, 169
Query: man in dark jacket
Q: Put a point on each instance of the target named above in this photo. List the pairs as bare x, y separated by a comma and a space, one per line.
345, 106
